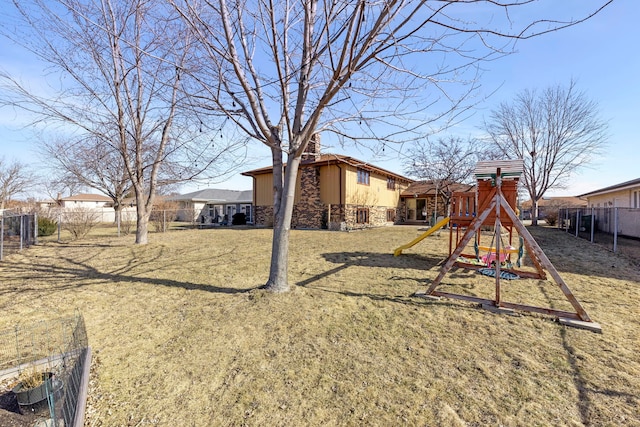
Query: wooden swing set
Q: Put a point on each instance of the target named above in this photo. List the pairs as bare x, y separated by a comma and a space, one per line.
497, 183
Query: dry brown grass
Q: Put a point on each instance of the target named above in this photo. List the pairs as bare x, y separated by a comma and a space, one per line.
182, 338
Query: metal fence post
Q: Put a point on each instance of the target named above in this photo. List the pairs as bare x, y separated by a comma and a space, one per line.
615, 229
35, 228
21, 230
577, 221
1, 237
593, 223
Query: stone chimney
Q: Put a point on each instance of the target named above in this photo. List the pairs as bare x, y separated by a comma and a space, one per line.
312, 153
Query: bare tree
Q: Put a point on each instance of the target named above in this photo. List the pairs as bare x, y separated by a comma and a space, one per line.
15, 178
91, 163
445, 162
121, 66
556, 132
285, 70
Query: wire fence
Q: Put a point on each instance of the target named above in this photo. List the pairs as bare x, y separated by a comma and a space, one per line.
617, 229
48, 363
19, 231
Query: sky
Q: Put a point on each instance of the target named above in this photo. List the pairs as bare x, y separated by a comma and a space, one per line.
602, 55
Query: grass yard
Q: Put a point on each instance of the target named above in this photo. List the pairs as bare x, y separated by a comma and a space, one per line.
181, 337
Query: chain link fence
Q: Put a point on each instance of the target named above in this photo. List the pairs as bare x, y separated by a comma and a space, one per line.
19, 231
46, 365
617, 229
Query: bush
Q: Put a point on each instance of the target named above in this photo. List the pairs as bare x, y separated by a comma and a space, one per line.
79, 222
239, 219
46, 226
551, 218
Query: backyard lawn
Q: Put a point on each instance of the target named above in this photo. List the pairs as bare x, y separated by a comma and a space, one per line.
181, 336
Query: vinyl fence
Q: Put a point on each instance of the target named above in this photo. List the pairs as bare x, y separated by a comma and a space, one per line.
618, 229
19, 231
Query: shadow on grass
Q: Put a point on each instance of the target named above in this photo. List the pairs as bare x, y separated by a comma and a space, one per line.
383, 260
580, 382
75, 272
372, 260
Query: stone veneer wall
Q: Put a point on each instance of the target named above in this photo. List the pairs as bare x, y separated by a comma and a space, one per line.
377, 216
309, 212
263, 216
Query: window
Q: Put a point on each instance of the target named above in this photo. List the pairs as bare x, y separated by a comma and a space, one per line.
391, 184
636, 199
363, 177
362, 216
391, 215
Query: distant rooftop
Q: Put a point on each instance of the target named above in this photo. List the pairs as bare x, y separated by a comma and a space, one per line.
212, 195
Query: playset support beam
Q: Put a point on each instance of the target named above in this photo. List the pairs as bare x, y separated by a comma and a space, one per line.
497, 203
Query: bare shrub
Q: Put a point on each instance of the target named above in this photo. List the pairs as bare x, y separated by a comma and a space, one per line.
127, 222
551, 217
162, 214
79, 222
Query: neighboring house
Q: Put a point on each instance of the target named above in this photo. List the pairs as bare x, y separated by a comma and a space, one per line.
623, 195
548, 204
214, 206
421, 205
91, 201
100, 205
334, 191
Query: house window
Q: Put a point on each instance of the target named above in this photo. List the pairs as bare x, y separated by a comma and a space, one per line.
391, 184
363, 177
362, 216
391, 215
636, 202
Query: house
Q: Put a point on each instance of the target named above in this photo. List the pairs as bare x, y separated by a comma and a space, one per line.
214, 206
420, 203
548, 204
100, 206
333, 191
90, 201
623, 195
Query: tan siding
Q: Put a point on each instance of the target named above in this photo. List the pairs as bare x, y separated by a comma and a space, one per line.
374, 194
330, 184
263, 191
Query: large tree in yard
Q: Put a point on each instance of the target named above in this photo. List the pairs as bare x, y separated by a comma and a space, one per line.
117, 69
285, 70
555, 131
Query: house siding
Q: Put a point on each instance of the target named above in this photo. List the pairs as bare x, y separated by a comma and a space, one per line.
320, 194
620, 199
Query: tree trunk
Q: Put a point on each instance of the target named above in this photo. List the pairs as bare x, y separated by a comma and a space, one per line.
534, 211
143, 226
278, 272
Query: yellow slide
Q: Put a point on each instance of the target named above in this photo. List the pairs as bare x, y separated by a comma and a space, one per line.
424, 235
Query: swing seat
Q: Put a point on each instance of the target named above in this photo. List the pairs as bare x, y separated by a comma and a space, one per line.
491, 255
507, 275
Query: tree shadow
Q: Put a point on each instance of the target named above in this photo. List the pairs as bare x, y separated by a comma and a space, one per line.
344, 260
78, 274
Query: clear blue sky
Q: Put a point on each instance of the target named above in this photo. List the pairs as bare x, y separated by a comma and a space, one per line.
602, 55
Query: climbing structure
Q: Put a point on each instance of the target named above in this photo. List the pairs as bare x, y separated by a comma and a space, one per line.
495, 200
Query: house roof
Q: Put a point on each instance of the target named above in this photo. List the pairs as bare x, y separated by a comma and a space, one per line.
424, 188
87, 198
568, 201
331, 159
622, 186
212, 195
